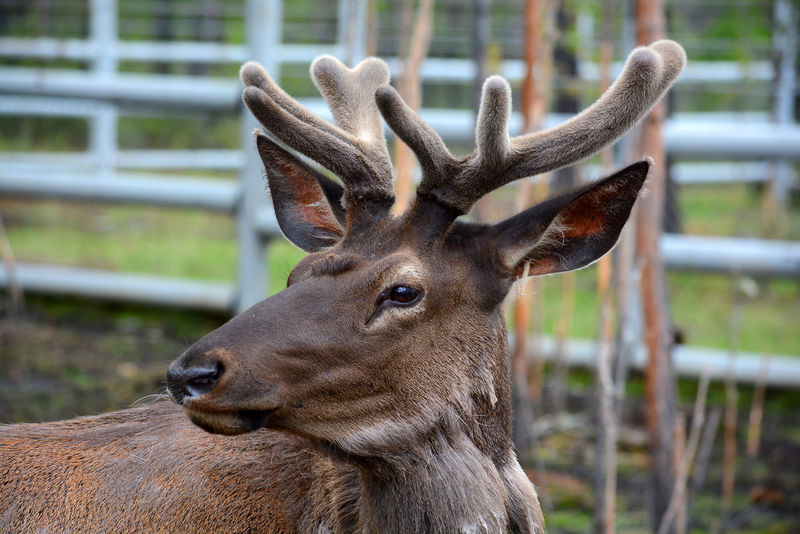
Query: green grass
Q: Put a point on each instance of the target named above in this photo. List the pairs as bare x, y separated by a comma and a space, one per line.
123, 238
220, 131
24, 133
568, 522
732, 210
700, 306
165, 242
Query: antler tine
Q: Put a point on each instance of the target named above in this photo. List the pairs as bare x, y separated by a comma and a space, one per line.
498, 159
491, 131
327, 150
253, 75
648, 73
434, 158
355, 149
350, 94
437, 163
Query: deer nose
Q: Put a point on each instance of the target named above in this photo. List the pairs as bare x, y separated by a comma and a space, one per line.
196, 381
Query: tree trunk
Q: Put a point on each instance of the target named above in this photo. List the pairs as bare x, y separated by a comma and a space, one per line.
538, 59
605, 484
566, 66
480, 45
659, 371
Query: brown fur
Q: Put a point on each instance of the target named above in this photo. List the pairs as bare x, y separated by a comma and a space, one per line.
346, 404
149, 469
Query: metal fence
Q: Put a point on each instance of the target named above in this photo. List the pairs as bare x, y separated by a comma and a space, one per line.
106, 173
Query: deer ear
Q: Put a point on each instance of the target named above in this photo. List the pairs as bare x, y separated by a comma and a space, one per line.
572, 230
307, 203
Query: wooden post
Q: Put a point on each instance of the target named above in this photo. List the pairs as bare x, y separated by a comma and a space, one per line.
676, 515
538, 58
480, 46
371, 38
659, 372
410, 89
606, 447
785, 40
757, 411
565, 64
480, 43
16, 298
607, 419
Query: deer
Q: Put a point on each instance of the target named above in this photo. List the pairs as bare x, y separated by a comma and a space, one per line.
373, 393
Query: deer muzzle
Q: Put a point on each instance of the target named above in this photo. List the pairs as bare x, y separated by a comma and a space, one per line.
197, 380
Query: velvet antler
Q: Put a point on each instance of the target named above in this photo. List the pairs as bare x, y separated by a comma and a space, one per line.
457, 184
355, 148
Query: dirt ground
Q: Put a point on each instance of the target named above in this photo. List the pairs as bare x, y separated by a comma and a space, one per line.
67, 358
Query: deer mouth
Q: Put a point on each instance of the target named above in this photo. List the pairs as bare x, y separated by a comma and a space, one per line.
229, 423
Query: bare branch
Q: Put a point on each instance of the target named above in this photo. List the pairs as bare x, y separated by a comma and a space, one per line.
679, 490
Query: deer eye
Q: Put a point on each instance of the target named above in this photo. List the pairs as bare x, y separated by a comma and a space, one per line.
401, 295
404, 294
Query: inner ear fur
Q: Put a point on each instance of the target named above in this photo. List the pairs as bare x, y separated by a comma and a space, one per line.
307, 203
572, 230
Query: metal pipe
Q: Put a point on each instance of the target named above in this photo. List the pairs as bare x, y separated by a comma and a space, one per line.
157, 190
759, 257
784, 370
105, 285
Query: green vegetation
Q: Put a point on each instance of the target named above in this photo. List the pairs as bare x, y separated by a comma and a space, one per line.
123, 238
22, 133
731, 210
219, 131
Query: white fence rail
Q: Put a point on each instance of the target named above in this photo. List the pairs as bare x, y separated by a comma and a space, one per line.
744, 367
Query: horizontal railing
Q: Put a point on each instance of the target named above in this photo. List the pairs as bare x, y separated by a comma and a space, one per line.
717, 364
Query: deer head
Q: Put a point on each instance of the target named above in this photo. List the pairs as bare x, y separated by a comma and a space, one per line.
391, 329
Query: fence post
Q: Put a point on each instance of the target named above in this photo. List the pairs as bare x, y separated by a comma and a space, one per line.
103, 27
352, 30
785, 40
263, 33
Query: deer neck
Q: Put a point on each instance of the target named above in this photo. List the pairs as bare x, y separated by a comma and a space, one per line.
463, 477
447, 486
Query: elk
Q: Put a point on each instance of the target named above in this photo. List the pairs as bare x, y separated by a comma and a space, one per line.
373, 393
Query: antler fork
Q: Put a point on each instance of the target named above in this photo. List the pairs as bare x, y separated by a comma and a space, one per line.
355, 148
497, 160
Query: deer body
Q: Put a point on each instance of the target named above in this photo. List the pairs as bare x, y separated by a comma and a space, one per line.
372, 394
134, 471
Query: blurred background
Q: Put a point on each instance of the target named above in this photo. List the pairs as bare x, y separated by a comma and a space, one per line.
134, 219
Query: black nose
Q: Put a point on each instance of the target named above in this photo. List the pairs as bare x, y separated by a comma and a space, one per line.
192, 381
